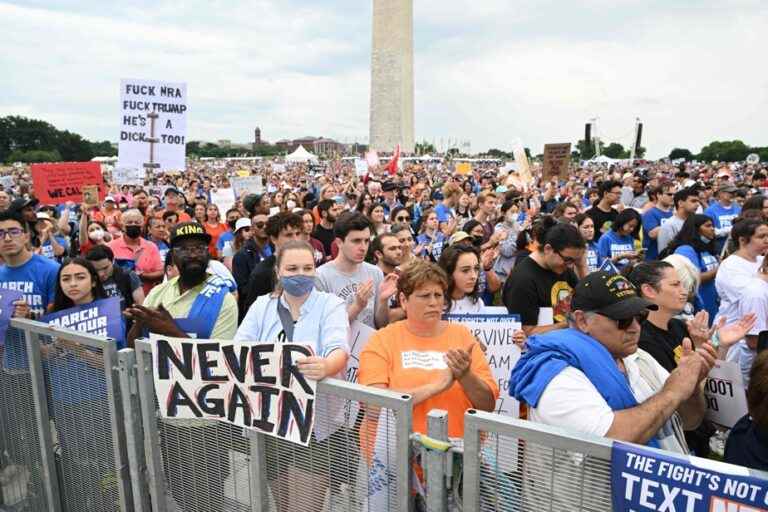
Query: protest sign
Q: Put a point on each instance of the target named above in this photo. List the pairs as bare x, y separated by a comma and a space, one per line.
358, 337
61, 182
278, 168
642, 479
128, 175
372, 158
100, 318
557, 159
243, 173
361, 167
521, 159
153, 124
6, 182
252, 385
725, 395
608, 266
223, 198
242, 186
464, 168
91, 196
7, 298
495, 332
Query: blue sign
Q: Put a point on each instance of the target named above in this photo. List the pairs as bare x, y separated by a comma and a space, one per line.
100, 318
608, 266
643, 479
7, 298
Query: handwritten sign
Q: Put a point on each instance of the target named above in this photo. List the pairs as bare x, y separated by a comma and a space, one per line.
251, 385
642, 479
61, 182
361, 167
128, 175
244, 185
495, 332
464, 168
725, 395
557, 159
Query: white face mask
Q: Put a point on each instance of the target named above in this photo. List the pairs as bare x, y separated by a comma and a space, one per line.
96, 235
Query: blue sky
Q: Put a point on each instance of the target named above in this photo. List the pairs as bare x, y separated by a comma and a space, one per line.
487, 71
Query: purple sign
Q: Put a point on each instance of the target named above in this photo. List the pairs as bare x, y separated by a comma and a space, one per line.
100, 318
7, 298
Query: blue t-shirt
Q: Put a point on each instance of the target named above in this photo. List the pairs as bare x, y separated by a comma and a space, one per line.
437, 244
225, 238
444, 214
653, 219
162, 248
722, 217
46, 249
612, 244
593, 260
36, 279
705, 262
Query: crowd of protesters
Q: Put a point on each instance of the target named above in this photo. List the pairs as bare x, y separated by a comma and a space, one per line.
630, 281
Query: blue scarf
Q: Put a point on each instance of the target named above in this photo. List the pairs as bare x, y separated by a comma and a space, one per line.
205, 309
548, 354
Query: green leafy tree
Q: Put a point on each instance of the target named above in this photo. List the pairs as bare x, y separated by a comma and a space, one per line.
724, 151
615, 150
103, 148
679, 153
424, 148
34, 156
586, 151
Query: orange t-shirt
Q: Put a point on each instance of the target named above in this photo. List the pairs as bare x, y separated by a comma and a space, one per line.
396, 358
215, 232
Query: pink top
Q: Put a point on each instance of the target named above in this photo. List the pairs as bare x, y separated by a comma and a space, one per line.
146, 256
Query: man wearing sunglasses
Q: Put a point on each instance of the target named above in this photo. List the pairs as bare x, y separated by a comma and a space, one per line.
592, 377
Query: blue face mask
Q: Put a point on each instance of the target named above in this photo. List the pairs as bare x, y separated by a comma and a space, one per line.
298, 285
705, 239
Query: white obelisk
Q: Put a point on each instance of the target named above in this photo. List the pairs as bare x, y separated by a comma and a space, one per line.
392, 76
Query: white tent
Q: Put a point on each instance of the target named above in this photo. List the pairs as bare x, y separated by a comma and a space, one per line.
301, 155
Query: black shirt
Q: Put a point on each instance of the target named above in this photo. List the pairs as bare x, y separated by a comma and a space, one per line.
665, 346
243, 263
603, 220
325, 236
747, 445
261, 282
530, 287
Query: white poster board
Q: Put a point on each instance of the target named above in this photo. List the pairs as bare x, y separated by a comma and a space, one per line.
6, 182
495, 332
128, 176
140, 100
725, 394
223, 198
361, 167
250, 385
244, 185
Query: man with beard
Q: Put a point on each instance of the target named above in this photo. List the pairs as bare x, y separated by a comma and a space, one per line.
387, 252
132, 252
328, 211
194, 304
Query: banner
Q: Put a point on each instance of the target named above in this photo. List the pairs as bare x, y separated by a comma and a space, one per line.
244, 185
153, 124
495, 332
128, 176
557, 159
642, 479
61, 182
252, 385
725, 395
100, 318
7, 298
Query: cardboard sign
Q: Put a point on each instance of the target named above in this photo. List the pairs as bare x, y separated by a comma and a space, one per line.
557, 159
523, 166
61, 182
242, 186
153, 124
495, 332
128, 175
251, 385
91, 195
464, 168
725, 395
642, 479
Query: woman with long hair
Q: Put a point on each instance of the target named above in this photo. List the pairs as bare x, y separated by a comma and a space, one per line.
199, 213
77, 284
463, 210
430, 237
364, 202
297, 311
376, 215
587, 229
461, 263
618, 243
214, 227
307, 228
696, 241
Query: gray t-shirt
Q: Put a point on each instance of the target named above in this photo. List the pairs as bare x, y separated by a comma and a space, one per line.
668, 231
330, 279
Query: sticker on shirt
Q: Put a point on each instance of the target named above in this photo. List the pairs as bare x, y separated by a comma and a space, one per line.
429, 360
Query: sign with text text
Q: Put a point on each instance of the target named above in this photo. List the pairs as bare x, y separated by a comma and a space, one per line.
100, 318
557, 159
153, 124
725, 394
643, 479
61, 182
244, 185
128, 175
252, 385
495, 332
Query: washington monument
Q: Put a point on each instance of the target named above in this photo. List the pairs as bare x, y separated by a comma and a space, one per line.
392, 76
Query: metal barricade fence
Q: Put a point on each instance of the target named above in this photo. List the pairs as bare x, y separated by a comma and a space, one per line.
65, 441
358, 458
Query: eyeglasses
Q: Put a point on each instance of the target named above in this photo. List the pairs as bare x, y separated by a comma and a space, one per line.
12, 232
624, 323
259, 224
192, 249
567, 259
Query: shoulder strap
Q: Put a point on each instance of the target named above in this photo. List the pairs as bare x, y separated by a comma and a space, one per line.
286, 319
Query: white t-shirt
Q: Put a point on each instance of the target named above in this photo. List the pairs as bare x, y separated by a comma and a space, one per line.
330, 279
570, 400
466, 306
733, 276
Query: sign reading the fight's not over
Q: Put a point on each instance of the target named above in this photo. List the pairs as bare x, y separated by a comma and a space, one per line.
153, 125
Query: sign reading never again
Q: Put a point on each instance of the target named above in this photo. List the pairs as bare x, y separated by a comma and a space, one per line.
252, 385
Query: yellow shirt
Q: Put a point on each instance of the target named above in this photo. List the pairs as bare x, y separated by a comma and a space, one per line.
178, 305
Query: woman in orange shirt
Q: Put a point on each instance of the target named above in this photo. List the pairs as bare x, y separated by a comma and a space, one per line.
214, 227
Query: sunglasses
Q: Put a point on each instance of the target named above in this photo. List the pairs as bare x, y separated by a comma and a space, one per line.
259, 224
403, 219
624, 323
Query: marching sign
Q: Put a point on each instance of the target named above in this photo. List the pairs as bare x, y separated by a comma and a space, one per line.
361, 167
244, 185
725, 395
128, 175
642, 479
153, 124
61, 182
557, 159
495, 332
252, 385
